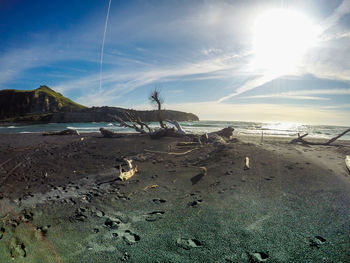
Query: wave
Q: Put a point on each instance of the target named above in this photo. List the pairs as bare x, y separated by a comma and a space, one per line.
86, 128
252, 128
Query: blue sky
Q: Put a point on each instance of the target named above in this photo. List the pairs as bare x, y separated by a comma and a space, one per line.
219, 59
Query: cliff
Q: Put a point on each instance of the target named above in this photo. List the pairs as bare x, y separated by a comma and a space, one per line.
44, 105
43, 100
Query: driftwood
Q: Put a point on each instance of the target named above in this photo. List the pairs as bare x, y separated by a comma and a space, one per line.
164, 132
203, 171
218, 137
171, 153
64, 132
110, 134
301, 140
131, 120
225, 132
126, 175
177, 125
135, 122
246, 165
188, 144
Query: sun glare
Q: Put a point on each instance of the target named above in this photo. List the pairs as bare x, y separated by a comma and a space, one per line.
281, 38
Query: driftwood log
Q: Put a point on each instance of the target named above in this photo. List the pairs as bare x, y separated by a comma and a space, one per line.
110, 134
302, 141
64, 132
177, 126
126, 175
225, 132
134, 122
218, 137
172, 153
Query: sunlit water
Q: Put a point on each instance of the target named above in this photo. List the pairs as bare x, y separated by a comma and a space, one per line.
248, 128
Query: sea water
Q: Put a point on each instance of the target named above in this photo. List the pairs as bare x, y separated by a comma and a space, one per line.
247, 128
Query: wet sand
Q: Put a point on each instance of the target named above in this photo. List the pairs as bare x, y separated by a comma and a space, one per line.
60, 201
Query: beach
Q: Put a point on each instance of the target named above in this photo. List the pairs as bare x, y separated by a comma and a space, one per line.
60, 200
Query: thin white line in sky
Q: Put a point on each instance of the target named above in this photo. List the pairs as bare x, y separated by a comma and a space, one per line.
103, 43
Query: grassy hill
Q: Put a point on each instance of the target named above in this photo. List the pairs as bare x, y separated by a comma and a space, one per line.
41, 101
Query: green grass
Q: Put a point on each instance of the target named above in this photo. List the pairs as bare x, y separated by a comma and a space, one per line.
65, 102
29, 118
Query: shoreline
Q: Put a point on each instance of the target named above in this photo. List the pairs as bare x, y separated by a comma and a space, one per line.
252, 136
290, 206
198, 127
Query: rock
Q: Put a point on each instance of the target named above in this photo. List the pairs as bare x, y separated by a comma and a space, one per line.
111, 223
99, 213
188, 243
258, 257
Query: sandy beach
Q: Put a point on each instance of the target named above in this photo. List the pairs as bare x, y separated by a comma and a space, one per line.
60, 200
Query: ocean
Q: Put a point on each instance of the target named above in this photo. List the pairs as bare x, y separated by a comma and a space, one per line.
248, 128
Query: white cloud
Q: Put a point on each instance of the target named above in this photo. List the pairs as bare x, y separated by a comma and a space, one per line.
285, 96
119, 82
14, 62
302, 94
249, 85
338, 13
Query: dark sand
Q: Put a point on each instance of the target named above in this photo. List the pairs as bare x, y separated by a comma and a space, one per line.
62, 203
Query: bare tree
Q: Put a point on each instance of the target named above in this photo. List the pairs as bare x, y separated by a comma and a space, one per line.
155, 97
130, 119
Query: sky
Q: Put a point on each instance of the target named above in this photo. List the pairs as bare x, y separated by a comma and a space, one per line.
268, 61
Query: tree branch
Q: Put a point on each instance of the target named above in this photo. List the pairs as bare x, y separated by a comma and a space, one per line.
301, 140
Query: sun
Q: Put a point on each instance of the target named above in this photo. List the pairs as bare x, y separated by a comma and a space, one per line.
281, 38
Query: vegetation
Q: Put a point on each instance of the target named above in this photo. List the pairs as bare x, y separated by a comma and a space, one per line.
63, 101
44, 118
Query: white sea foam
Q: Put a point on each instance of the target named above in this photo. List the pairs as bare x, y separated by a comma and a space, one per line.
252, 128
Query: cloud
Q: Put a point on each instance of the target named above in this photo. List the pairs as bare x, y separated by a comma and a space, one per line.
119, 82
285, 96
302, 94
340, 106
14, 62
339, 12
249, 85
